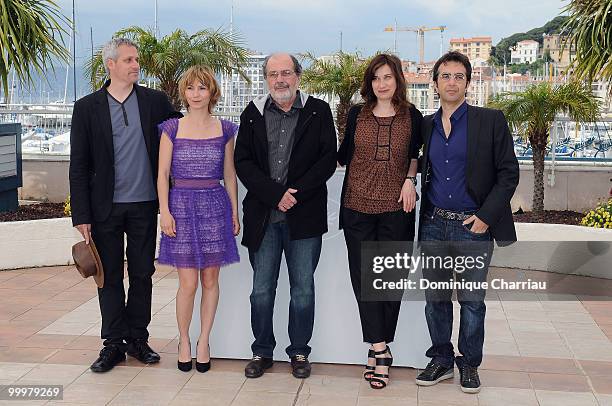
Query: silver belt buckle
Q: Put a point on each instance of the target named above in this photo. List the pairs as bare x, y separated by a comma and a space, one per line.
449, 214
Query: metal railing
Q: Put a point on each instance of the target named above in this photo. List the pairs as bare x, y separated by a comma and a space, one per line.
46, 129
574, 142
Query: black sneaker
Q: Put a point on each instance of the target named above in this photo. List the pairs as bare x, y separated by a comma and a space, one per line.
434, 373
470, 382
300, 366
257, 366
110, 356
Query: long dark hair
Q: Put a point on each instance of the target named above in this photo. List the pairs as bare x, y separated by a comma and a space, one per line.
399, 100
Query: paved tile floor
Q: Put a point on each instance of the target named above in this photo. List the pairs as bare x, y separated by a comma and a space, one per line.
537, 352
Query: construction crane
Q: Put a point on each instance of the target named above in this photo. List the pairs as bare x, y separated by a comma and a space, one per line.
420, 31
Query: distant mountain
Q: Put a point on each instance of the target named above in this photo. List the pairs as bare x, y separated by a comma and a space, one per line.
51, 89
502, 48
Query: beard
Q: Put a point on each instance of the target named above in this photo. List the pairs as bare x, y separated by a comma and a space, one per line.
282, 95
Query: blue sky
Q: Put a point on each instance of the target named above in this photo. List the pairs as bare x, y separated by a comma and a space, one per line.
315, 25
303, 25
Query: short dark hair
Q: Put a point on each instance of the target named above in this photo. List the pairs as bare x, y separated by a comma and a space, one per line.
399, 99
453, 56
297, 68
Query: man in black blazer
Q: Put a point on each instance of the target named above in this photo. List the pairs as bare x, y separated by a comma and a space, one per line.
113, 170
469, 174
285, 153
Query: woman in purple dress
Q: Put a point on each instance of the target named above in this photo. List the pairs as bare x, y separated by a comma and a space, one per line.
199, 217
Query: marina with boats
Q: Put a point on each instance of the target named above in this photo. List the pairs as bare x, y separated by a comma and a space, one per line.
46, 130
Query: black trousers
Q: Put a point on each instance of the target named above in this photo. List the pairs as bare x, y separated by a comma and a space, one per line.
123, 321
378, 318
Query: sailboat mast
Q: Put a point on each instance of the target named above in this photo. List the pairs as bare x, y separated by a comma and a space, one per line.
231, 73
67, 69
92, 53
156, 26
74, 53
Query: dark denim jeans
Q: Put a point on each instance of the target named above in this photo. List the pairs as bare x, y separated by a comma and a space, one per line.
302, 257
443, 238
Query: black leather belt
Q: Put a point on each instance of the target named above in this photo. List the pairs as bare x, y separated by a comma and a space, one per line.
452, 215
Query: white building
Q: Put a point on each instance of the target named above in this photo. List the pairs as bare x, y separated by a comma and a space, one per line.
525, 51
236, 92
602, 89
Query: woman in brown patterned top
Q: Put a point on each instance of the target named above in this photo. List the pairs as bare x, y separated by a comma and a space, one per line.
378, 195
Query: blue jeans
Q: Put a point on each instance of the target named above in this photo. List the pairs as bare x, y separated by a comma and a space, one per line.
452, 238
302, 257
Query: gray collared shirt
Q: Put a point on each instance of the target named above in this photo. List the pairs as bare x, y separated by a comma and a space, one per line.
133, 175
280, 128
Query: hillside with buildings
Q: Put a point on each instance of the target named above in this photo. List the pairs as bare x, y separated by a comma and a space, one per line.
513, 64
501, 52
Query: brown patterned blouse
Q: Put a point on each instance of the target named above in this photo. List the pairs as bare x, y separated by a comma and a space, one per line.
380, 162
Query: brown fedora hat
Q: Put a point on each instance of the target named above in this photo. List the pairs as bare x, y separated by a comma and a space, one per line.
87, 261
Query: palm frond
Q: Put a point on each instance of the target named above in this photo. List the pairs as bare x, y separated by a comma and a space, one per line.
589, 29
31, 37
167, 58
340, 76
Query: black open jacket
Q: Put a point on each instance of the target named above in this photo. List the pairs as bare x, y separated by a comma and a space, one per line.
92, 155
312, 163
492, 170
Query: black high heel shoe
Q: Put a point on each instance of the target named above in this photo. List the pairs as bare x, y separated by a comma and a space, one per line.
183, 366
203, 366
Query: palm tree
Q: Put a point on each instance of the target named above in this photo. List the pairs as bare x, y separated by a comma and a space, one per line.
169, 57
589, 28
340, 76
31, 36
533, 111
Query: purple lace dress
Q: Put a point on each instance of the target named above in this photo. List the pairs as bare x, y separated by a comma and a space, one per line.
199, 204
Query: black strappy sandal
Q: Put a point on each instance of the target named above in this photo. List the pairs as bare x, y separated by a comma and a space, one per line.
383, 361
369, 369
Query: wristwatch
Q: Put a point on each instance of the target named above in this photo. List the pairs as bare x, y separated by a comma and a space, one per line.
412, 179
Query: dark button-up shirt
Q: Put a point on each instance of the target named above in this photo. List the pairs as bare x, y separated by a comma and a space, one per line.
280, 128
448, 157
